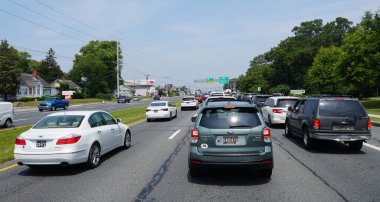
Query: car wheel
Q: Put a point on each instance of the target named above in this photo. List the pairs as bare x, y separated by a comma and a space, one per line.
53, 108
307, 141
170, 117
195, 172
41, 110
94, 156
288, 132
8, 123
356, 145
65, 107
176, 114
266, 173
269, 121
182, 109
148, 120
127, 140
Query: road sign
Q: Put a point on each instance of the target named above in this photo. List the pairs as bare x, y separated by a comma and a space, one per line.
259, 89
224, 80
210, 80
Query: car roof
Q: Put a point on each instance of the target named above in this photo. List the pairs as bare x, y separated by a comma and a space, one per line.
229, 103
85, 113
159, 102
189, 96
285, 98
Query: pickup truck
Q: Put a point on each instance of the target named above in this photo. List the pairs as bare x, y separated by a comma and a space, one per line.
53, 103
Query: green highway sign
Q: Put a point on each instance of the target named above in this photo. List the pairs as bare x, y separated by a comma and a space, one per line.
210, 80
224, 80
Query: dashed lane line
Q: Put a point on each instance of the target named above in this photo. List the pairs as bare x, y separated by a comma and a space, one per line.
174, 134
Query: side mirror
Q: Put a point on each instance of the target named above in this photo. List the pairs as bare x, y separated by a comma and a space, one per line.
194, 118
290, 109
118, 120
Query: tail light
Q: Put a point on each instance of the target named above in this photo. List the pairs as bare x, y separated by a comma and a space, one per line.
70, 139
20, 141
266, 135
194, 136
165, 109
277, 111
369, 124
316, 124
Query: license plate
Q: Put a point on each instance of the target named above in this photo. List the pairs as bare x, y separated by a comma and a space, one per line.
343, 127
155, 111
41, 143
230, 140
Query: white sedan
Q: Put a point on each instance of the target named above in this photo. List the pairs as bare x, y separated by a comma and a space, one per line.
66, 138
161, 110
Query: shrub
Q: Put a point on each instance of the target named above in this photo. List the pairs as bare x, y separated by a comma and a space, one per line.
103, 96
24, 99
282, 88
79, 95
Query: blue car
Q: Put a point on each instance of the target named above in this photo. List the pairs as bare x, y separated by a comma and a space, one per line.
53, 103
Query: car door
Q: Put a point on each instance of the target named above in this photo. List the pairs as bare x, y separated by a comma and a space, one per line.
172, 109
297, 118
113, 130
267, 108
292, 115
99, 128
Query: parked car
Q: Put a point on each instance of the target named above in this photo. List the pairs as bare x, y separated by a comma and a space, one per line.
189, 102
123, 99
53, 103
161, 110
74, 137
275, 109
335, 118
230, 134
247, 96
6, 114
259, 100
156, 97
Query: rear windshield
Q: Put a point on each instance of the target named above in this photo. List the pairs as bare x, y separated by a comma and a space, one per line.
158, 104
341, 108
220, 99
285, 103
220, 118
261, 99
122, 97
187, 98
217, 94
63, 121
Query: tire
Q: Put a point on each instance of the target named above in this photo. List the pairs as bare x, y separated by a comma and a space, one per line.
269, 122
127, 140
8, 123
356, 145
65, 107
266, 173
53, 108
93, 160
288, 132
308, 143
176, 114
41, 110
148, 120
195, 172
182, 109
170, 117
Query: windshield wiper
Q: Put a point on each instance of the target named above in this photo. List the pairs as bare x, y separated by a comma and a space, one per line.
241, 126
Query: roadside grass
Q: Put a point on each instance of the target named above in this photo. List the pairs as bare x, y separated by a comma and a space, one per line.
7, 142
177, 103
372, 105
373, 119
130, 115
72, 102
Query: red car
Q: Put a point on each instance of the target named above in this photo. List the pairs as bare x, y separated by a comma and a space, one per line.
200, 98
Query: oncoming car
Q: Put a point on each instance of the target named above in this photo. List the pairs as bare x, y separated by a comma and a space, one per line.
67, 138
161, 110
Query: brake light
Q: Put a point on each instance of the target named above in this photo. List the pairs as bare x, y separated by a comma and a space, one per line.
266, 135
195, 162
277, 111
266, 162
165, 110
194, 136
369, 124
71, 139
339, 99
316, 124
20, 141
229, 107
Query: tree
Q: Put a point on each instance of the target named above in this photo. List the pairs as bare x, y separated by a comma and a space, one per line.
9, 73
49, 69
258, 75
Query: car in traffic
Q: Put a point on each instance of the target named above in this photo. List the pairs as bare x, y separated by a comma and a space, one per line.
275, 109
156, 97
53, 103
6, 114
161, 110
219, 99
247, 96
230, 134
200, 98
123, 99
277, 94
234, 94
259, 100
189, 102
67, 138
342, 119
216, 94
136, 99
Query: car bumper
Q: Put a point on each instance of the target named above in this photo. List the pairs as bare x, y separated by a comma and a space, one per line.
51, 159
346, 137
188, 105
157, 115
278, 119
44, 107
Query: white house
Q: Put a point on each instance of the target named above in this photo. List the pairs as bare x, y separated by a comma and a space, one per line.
32, 85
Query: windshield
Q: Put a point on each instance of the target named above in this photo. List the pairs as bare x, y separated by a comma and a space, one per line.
62, 121
158, 104
341, 108
220, 118
188, 99
285, 103
50, 99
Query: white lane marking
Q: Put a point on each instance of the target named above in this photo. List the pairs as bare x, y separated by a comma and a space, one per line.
371, 146
21, 120
174, 134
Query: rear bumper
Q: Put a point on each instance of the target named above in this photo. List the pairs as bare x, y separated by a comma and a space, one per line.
341, 136
51, 159
157, 115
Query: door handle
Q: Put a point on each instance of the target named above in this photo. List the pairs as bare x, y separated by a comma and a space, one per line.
99, 132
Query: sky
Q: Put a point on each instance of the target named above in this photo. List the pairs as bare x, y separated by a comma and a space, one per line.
183, 40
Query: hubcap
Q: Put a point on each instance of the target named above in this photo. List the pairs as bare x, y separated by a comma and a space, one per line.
8, 124
95, 155
305, 140
128, 140
286, 129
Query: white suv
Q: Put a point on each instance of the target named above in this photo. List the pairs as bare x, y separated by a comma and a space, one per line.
189, 102
275, 109
6, 114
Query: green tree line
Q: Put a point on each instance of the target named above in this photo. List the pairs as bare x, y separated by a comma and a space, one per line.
332, 58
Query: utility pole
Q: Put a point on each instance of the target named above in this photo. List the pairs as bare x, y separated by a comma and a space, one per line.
147, 82
117, 66
166, 86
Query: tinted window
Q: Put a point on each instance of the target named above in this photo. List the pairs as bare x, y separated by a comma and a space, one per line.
96, 120
64, 121
341, 108
286, 103
220, 118
220, 99
123, 97
187, 98
158, 104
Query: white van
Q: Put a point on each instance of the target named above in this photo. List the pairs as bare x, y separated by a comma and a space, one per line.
6, 114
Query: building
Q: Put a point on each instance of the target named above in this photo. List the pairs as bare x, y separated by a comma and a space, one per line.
58, 82
138, 87
32, 85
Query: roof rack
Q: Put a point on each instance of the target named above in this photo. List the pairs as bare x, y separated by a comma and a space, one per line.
328, 95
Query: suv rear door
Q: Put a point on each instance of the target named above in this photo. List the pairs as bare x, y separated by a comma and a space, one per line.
236, 131
342, 115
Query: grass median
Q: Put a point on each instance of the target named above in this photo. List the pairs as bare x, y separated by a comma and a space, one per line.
72, 102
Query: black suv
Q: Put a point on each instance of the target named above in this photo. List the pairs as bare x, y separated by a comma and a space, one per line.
123, 99
259, 100
340, 119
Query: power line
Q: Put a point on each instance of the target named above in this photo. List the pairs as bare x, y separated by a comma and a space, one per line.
72, 37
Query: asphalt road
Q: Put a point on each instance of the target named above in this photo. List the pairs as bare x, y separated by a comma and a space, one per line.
155, 169
30, 116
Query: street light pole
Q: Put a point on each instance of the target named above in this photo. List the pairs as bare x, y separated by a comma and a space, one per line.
117, 66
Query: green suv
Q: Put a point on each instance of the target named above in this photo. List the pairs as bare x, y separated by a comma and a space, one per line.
230, 134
